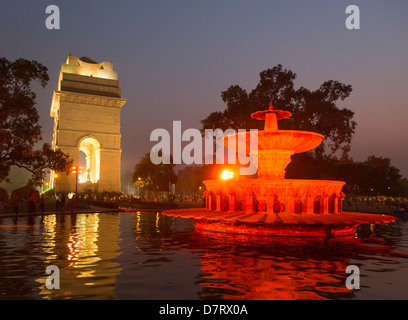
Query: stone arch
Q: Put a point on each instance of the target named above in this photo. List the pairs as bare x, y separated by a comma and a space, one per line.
332, 203
317, 205
91, 146
298, 207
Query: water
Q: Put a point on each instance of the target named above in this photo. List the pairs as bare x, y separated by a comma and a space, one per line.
146, 255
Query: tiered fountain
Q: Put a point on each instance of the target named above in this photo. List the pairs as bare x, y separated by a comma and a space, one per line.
271, 204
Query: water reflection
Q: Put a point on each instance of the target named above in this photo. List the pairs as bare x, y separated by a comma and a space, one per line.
145, 255
82, 247
247, 267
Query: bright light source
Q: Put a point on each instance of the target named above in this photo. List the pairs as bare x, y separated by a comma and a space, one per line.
226, 174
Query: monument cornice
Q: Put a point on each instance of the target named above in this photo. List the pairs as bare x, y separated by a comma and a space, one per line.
82, 98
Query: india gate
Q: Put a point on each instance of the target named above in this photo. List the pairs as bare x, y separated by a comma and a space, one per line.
86, 111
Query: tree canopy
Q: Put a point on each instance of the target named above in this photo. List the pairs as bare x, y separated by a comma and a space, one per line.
154, 177
19, 127
313, 110
376, 175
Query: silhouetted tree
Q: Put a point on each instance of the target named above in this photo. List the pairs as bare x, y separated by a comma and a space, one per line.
315, 111
375, 176
154, 177
19, 128
381, 176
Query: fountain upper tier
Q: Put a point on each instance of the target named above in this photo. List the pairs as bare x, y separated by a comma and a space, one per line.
273, 139
272, 153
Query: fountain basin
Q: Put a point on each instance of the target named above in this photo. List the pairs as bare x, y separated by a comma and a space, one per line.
277, 207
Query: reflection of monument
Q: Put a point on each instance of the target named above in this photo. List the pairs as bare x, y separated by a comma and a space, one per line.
271, 204
84, 248
86, 110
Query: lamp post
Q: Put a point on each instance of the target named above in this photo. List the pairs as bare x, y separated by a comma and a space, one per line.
55, 184
76, 170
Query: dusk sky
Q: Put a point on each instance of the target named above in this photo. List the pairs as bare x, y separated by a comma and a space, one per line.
174, 58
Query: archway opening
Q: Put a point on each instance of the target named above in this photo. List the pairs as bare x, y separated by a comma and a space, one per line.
82, 164
91, 150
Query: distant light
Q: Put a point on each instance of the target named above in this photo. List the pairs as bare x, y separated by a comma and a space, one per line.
226, 174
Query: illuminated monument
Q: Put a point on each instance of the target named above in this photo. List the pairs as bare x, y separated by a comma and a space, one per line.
271, 204
86, 111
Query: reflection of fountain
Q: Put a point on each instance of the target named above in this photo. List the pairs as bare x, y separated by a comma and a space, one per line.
248, 267
254, 278
271, 204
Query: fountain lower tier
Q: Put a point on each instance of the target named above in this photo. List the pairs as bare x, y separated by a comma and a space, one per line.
277, 207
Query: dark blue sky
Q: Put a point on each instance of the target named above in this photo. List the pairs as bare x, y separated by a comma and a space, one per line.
174, 57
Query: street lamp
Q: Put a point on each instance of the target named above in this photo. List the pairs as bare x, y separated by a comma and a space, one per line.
138, 186
76, 171
55, 184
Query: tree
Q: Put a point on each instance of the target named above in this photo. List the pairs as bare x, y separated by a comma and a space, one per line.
375, 176
315, 111
20, 131
381, 176
154, 177
403, 187
191, 179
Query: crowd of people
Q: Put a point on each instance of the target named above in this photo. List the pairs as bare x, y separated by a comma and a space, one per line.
381, 205
60, 203
20, 203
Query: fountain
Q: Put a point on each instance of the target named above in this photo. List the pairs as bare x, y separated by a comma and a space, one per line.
272, 205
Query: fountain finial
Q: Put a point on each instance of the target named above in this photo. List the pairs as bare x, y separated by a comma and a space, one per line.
279, 114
